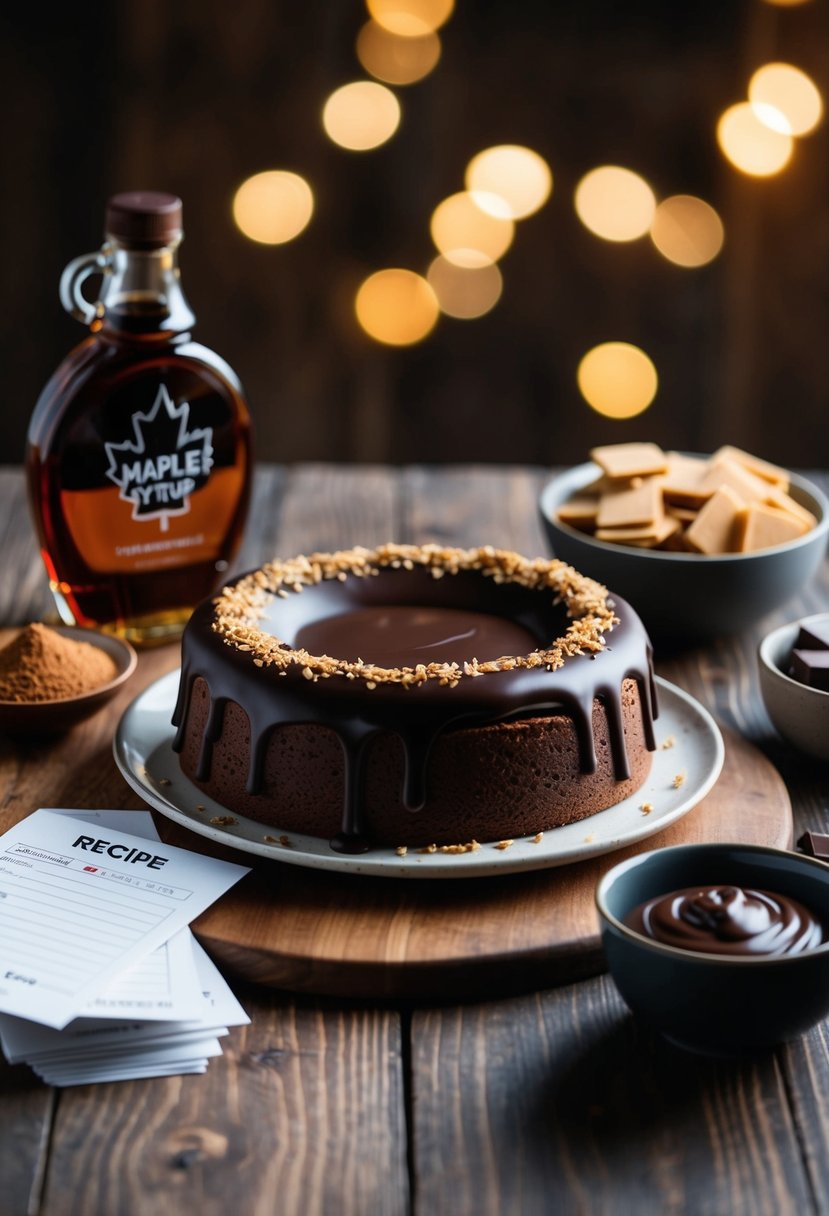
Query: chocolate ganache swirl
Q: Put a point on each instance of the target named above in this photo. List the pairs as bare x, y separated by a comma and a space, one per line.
437, 624
728, 920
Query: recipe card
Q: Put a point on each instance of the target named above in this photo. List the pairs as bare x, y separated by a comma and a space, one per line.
80, 903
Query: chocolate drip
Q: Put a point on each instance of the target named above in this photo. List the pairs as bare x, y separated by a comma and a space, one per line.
418, 714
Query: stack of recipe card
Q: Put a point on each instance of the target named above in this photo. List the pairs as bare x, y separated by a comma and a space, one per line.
100, 978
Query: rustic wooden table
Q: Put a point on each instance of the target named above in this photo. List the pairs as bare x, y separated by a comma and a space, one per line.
554, 1102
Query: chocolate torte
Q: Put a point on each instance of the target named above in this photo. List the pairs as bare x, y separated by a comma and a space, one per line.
411, 695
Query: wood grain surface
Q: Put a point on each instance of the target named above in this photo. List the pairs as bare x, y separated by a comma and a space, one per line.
551, 1101
346, 935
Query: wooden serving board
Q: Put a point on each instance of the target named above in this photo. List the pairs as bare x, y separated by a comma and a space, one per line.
347, 935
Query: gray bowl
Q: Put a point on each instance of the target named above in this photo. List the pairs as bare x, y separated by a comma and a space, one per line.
710, 1003
689, 597
800, 713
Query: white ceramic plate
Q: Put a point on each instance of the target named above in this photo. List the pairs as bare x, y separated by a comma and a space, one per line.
144, 754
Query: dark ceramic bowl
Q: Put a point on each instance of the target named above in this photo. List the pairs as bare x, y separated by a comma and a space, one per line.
23, 719
716, 1004
686, 597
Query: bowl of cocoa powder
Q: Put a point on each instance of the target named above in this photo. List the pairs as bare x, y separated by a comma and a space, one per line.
54, 676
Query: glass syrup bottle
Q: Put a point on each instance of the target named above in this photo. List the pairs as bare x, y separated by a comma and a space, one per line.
138, 453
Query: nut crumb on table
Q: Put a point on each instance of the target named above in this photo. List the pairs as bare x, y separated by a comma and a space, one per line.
679, 780
223, 821
667, 742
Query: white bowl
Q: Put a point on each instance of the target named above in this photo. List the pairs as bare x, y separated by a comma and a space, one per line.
800, 713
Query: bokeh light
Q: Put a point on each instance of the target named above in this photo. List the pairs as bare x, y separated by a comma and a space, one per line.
394, 59
687, 231
361, 115
617, 379
615, 204
273, 207
410, 18
397, 307
509, 181
753, 146
468, 236
787, 3
463, 293
790, 92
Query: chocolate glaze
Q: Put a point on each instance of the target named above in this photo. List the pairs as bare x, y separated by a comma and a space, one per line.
728, 920
401, 635
417, 714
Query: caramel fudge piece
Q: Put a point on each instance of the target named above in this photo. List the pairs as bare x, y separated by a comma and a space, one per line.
715, 528
640, 506
580, 512
726, 473
681, 482
779, 498
644, 537
630, 459
761, 526
760, 468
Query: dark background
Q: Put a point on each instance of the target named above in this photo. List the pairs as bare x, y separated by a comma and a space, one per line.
194, 96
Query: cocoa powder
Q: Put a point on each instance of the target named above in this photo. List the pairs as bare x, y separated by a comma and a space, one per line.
40, 664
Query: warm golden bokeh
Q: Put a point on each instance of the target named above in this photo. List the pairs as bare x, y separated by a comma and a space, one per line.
509, 181
468, 236
361, 115
615, 203
791, 93
617, 379
410, 18
687, 231
394, 59
462, 293
273, 207
397, 307
752, 146
787, 3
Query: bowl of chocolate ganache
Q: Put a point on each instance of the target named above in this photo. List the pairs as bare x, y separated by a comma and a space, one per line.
721, 948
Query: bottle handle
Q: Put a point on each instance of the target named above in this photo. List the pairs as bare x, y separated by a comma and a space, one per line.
73, 279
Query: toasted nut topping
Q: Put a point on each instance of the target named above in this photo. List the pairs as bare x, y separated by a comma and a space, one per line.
240, 608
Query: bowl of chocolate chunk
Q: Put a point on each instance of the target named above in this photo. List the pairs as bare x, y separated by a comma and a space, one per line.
54, 676
699, 545
794, 680
721, 948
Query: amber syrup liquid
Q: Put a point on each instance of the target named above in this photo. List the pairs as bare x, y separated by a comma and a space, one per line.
138, 465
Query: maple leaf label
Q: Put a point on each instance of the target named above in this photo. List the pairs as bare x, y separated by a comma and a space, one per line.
164, 464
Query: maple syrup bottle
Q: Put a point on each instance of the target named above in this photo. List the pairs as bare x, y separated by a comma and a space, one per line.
138, 455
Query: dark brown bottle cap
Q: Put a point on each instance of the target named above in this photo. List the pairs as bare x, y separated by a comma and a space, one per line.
144, 218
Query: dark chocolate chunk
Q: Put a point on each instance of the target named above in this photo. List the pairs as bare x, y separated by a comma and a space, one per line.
816, 844
814, 636
811, 667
